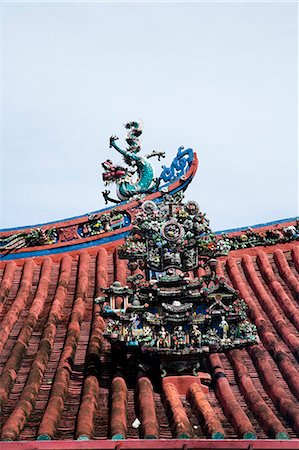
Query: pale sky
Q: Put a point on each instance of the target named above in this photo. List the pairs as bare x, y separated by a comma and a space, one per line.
221, 78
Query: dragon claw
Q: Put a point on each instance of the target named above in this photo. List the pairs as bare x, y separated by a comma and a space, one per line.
156, 153
105, 195
113, 139
107, 198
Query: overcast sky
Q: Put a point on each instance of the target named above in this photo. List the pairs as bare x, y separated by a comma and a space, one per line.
221, 78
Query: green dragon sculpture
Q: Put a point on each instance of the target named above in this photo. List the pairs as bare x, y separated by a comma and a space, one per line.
140, 165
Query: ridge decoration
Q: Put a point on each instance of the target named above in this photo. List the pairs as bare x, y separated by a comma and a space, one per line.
137, 178
136, 165
172, 315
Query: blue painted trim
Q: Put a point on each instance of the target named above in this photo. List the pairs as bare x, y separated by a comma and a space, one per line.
65, 249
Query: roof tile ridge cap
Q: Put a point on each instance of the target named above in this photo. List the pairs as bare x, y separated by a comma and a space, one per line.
7, 282
102, 271
240, 285
180, 423
275, 348
283, 402
83, 275
147, 408
42, 290
61, 289
7, 279
277, 290
228, 401
205, 413
260, 292
253, 398
52, 414
265, 267
14, 360
28, 272
19, 302
285, 365
285, 272
118, 417
90, 395
295, 257
19, 415
98, 323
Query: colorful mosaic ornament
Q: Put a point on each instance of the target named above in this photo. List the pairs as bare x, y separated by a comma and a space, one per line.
138, 165
137, 178
172, 317
250, 238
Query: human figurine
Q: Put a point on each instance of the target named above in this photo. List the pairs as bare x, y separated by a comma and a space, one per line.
162, 338
195, 336
86, 230
225, 327
146, 333
212, 337
113, 327
134, 321
179, 338
247, 330
290, 231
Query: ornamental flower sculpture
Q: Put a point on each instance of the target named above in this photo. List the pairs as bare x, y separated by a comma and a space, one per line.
170, 317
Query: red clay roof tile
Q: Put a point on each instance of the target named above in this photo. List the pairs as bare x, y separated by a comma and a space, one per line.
55, 379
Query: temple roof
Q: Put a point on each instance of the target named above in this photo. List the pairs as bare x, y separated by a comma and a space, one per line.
56, 376
51, 328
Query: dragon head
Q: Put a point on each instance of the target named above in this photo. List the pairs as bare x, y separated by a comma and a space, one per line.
112, 172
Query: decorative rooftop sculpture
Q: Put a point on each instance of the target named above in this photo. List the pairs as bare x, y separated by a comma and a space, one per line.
137, 164
172, 316
133, 182
171, 234
138, 177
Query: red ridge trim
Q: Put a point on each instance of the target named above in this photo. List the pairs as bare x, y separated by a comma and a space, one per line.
91, 388
277, 290
258, 406
53, 412
161, 444
147, 409
289, 338
228, 401
7, 281
286, 273
102, 271
281, 400
13, 364
204, 411
283, 361
19, 303
181, 426
118, 417
295, 257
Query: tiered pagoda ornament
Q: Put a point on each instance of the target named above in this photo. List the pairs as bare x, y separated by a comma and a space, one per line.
170, 317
